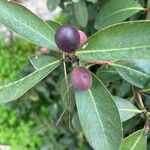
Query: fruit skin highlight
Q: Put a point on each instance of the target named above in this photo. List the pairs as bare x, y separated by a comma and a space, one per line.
81, 78
67, 38
83, 37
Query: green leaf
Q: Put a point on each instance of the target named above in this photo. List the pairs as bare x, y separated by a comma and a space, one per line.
135, 72
22, 21
144, 65
115, 11
16, 89
40, 61
122, 41
52, 4
54, 25
107, 74
76, 123
126, 109
148, 4
135, 141
81, 13
99, 117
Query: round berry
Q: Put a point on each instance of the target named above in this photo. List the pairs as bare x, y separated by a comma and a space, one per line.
81, 78
83, 37
67, 38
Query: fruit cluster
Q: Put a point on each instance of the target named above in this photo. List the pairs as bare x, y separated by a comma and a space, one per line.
68, 39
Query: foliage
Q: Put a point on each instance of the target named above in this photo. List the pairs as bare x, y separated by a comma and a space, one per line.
19, 52
119, 49
16, 132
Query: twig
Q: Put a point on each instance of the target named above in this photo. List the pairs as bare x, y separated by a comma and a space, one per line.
99, 62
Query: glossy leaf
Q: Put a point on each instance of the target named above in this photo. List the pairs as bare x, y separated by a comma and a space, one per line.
99, 117
121, 41
81, 13
16, 89
52, 4
126, 109
115, 11
40, 61
135, 141
136, 72
22, 21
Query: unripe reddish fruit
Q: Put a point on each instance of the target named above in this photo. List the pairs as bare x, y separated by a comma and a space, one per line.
81, 78
83, 37
67, 38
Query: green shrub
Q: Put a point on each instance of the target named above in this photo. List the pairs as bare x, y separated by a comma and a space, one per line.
12, 60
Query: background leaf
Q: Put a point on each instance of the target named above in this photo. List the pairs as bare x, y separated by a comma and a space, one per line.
76, 123
52, 4
136, 72
126, 109
99, 117
54, 25
115, 11
135, 141
16, 89
22, 21
107, 74
67, 93
81, 13
121, 41
148, 4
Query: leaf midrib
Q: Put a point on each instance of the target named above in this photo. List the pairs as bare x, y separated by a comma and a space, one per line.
110, 50
35, 31
136, 142
99, 118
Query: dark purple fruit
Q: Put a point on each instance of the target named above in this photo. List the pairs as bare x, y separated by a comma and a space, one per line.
81, 78
67, 38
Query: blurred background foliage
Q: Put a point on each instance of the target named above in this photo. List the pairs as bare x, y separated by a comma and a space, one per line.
30, 123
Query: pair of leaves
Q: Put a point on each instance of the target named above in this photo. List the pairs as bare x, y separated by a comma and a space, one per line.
121, 41
115, 11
